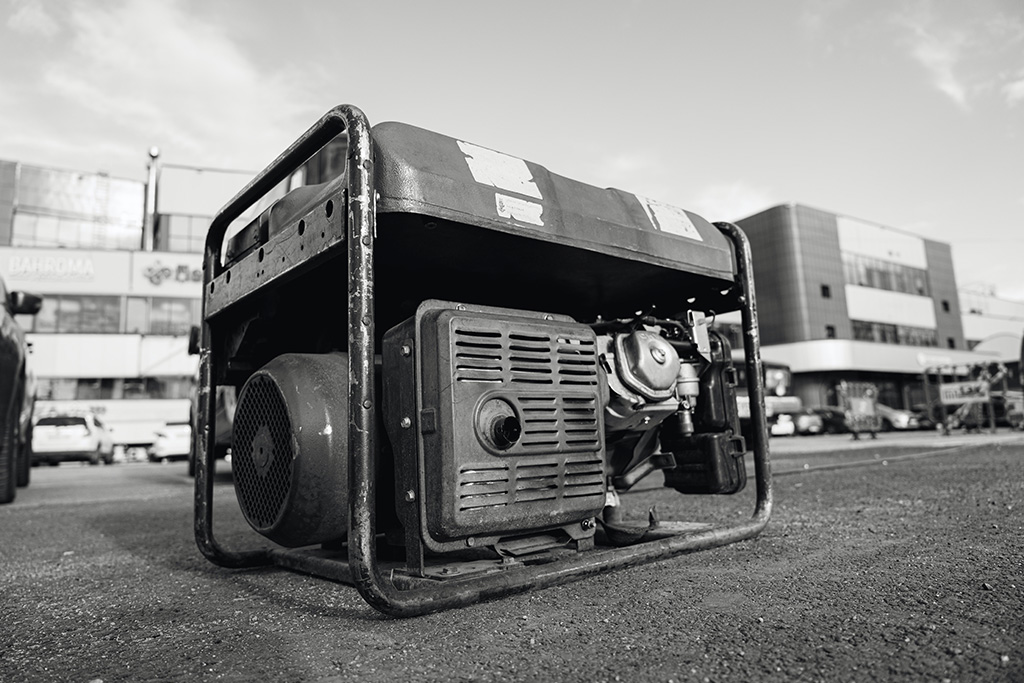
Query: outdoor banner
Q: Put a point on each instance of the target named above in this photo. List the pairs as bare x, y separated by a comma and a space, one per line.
169, 274
65, 271
959, 393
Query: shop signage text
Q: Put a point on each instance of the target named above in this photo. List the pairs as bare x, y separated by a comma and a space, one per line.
958, 393
76, 268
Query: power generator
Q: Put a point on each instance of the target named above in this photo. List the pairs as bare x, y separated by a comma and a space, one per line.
450, 362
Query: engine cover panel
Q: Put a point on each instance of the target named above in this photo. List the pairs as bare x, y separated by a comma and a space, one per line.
510, 426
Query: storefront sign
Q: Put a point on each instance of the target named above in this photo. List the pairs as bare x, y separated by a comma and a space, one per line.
167, 274
958, 393
64, 271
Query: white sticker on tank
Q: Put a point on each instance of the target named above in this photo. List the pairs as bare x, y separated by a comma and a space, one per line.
522, 210
668, 218
499, 170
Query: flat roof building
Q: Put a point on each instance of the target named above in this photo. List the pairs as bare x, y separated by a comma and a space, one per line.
112, 335
841, 298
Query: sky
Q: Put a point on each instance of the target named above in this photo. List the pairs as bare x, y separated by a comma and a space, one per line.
905, 113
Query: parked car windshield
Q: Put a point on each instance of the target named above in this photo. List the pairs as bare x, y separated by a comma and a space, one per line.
62, 421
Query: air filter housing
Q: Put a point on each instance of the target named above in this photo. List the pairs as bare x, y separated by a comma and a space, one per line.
289, 455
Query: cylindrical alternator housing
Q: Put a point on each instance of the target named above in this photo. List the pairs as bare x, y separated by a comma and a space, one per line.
290, 449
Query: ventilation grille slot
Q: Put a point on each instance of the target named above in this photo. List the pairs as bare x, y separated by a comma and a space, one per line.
522, 357
556, 423
534, 480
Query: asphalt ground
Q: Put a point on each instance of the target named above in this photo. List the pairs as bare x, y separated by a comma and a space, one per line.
895, 559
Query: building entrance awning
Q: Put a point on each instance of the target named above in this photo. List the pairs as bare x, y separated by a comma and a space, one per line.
833, 355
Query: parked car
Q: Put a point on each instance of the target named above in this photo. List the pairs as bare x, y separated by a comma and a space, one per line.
69, 438
833, 420
226, 399
896, 418
17, 393
807, 422
173, 442
782, 425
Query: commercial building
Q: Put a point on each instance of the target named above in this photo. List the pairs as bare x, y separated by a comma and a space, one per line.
992, 323
112, 334
845, 299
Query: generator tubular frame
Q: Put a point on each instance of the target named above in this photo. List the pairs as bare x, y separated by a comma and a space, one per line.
399, 595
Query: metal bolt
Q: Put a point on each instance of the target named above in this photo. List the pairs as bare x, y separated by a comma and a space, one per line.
410, 496
406, 350
367, 404
366, 320
658, 354
470, 542
587, 524
406, 423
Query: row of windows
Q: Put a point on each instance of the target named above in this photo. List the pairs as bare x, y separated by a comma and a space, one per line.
173, 233
35, 230
894, 277
94, 314
96, 389
885, 333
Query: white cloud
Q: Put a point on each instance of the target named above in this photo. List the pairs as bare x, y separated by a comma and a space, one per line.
164, 76
1014, 90
965, 50
31, 18
939, 51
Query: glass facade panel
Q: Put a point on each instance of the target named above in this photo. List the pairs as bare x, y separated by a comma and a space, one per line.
136, 317
93, 314
56, 389
95, 389
171, 316
884, 333
46, 319
182, 233
89, 314
34, 230
107, 388
894, 277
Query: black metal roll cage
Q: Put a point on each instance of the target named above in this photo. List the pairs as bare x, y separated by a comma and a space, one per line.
399, 595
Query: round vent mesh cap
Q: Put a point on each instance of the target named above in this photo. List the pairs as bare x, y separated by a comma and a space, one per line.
262, 453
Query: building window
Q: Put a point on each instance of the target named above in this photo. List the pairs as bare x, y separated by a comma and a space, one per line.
884, 333
136, 315
830, 331
78, 315
866, 271
95, 389
173, 316
92, 314
826, 292
945, 306
105, 388
177, 232
41, 230
950, 342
